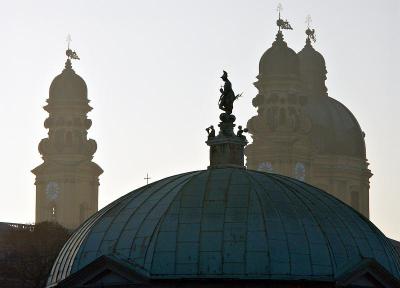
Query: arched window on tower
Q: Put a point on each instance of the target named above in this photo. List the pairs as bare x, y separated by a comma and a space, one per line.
59, 135
78, 139
53, 212
282, 116
68, 139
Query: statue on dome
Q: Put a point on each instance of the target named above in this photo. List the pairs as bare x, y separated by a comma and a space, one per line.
227, 97
241, 131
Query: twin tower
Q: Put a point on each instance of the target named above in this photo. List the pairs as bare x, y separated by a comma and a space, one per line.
67, 181
299, 131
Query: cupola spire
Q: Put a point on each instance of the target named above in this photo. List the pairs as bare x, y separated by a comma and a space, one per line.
282, 24
70, 54
310, 32
226, 148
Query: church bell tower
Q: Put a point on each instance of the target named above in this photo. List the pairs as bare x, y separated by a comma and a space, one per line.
300, 131
67, 181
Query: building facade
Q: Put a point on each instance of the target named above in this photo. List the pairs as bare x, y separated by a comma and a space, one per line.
67, 181
301, 132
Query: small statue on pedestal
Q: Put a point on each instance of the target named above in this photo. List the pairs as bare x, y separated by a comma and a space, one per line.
241, 131
211, 132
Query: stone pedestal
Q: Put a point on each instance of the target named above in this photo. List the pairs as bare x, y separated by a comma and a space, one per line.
227, 149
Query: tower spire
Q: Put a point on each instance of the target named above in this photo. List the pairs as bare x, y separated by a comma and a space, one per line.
310, 32
279, 9
282, 24
70, 54
69, 40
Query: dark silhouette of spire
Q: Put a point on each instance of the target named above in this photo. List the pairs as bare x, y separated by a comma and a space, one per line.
310, 32
282, 24
70, 54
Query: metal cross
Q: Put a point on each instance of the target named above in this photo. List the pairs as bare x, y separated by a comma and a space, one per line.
147, 178
308, 21
279, 9
69, 39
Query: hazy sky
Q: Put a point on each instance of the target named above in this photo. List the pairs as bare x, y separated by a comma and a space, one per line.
152, 70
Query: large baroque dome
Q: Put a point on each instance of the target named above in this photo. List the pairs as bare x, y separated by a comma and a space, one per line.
227, 223
335, 130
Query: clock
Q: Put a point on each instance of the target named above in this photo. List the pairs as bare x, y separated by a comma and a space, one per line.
52, 190
300, 171
265, 167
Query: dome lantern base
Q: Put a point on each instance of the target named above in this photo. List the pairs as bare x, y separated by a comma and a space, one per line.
227, 149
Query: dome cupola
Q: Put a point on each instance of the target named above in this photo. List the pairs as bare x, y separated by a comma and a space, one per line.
279, 62
68, 85
312, 67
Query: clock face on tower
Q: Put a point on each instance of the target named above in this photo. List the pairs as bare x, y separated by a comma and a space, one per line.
52, 190
265, 167
300, 171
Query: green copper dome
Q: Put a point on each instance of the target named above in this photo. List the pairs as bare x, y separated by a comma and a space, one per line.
228, 223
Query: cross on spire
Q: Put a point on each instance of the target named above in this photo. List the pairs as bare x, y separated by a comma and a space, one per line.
69, 40
282, 24
279, 9
310, 32
308, 20
147, 178
71, 54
